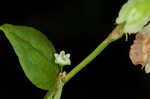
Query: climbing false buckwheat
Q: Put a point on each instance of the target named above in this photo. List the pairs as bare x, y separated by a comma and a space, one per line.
62, 59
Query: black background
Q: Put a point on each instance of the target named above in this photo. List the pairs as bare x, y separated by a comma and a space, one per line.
76, 26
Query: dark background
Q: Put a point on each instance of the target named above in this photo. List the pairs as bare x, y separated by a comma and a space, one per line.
76, 26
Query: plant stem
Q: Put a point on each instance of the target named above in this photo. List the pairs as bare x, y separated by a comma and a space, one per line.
115, 35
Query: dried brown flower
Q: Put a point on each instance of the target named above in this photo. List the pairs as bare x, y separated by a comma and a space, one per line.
140, 50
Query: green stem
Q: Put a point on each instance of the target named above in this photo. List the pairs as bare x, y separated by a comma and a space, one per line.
115, 35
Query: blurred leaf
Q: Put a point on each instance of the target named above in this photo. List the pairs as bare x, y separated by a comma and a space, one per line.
35, 53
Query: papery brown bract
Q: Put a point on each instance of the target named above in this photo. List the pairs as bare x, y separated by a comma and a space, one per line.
137, 55
140, 50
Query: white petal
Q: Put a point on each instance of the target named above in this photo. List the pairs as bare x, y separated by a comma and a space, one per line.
68, 55
56, 55
147, 68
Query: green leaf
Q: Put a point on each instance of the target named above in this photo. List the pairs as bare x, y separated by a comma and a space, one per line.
35, 53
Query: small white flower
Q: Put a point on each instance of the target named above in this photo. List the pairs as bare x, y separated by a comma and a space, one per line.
62, 59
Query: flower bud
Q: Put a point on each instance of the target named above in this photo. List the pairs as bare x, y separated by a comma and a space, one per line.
135, 14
